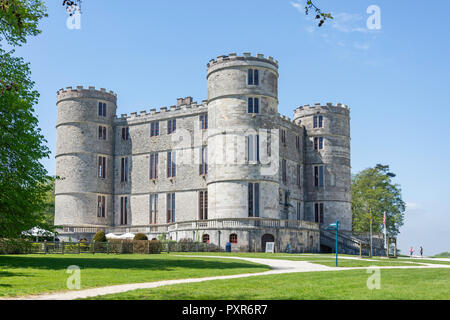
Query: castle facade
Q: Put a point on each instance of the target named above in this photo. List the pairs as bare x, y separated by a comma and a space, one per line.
230, 169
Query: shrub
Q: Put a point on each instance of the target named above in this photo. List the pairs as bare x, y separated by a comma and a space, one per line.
140, 236
155, 247
99, 237
140, 246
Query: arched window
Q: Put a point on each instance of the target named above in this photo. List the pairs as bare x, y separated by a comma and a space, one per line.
233, 238
205, 238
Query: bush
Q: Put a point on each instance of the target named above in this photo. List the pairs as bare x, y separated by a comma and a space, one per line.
155, 247
140, 236
99, 237
140, 246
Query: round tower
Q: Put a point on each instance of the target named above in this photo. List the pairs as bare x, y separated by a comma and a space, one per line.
327, 163
84, 154
233, 173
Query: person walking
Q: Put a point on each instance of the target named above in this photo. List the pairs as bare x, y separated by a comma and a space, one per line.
411, 252
421, 252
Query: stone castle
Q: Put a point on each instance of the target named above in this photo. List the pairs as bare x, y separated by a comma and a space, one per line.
229, 170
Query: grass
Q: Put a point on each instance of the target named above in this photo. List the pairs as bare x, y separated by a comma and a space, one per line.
442, 255
34, 274
411, 284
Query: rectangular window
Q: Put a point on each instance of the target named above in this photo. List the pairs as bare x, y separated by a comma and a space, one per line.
318, 176
123, 210
154, 129
153, 166
299, 210
203, 161
297, 143
299, 176
283, 169
318, 212
102, 167
124, 170
170, 207
318, 122
253, 199
171, 126
203, 205
102, 109
125, 133
101, 206
269, 143
283, 136
318, 143
253, 105
154, 208
171, 165
203, 121
102, 133
253, 77
253, 147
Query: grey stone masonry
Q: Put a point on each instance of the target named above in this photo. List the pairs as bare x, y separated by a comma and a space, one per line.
229, 169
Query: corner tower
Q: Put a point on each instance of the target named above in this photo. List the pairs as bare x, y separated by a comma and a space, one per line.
327, 163
84, 157
242, 101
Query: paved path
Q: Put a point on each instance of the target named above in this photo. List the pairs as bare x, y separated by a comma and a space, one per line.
278, 267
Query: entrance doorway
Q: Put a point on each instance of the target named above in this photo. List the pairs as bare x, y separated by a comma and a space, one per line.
266, 238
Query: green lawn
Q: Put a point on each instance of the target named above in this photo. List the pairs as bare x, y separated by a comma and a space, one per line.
33, 274
429, 284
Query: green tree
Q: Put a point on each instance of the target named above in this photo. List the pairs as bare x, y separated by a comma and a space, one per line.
373, 193
24, 182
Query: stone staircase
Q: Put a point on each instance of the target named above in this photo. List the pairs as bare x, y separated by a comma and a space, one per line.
347, 244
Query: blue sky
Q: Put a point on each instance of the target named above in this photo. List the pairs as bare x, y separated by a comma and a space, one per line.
395, 80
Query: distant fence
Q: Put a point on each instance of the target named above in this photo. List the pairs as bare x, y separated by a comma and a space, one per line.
109, 247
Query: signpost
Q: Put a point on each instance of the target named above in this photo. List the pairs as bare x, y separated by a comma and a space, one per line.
335, 226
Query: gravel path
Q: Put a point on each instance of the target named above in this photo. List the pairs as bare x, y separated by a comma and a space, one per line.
277, 266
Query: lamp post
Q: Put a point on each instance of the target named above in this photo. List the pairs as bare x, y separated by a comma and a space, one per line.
335, 226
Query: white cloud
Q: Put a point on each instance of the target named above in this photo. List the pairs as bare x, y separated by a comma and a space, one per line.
348, 22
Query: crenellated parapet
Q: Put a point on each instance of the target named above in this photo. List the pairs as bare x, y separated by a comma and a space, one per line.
70, 93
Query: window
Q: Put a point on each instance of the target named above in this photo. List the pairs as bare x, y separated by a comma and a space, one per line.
205, 238
318, 122
102, 167
253, 199
123, 210
299, 210
283, 136
253, 77
253, 105
233, 238
153, 166
154, 129
203, 205
102, 109
283, 170
297, 143
170, 207
203, 121
171, 126
153, 208
318, 212
318, 143
171, 166
269, 143
253, 147
125, 133
124, 169
101, 133
203, 160
299, 176
101, 206
318, 176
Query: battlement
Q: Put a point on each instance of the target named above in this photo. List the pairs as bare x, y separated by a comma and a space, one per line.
246, 56
81, 92
319, 105
307, 110
182, 106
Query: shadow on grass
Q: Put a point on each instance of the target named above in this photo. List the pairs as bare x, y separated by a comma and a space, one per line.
92, 262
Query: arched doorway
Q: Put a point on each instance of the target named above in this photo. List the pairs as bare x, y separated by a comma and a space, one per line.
266, 238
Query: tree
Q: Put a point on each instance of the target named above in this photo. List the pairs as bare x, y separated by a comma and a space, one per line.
24, 182
310, 6
374, 193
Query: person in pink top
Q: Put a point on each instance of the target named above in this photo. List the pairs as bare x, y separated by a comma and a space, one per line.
411, 252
